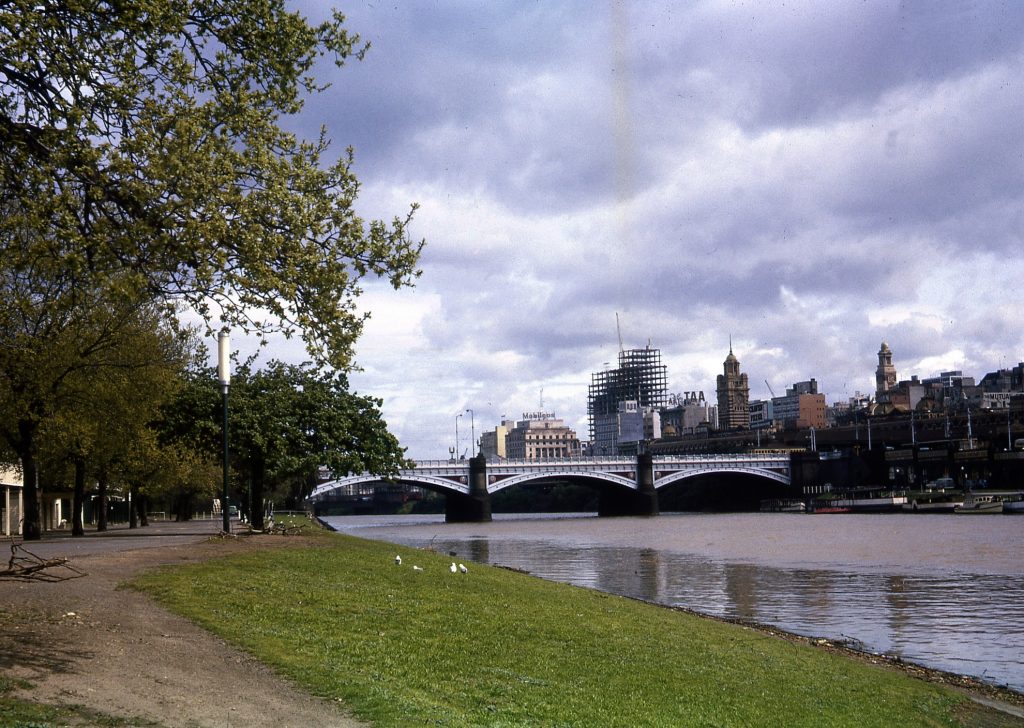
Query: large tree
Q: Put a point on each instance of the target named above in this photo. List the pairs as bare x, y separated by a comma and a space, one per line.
142, 151
75, 372
143, 158
111, 400
286, 422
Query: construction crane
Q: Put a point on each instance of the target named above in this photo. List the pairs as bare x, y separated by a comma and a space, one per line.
769, 388
618, 330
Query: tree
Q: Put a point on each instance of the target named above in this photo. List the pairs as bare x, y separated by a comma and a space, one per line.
142, 158
142, 154
57, 352
285, 422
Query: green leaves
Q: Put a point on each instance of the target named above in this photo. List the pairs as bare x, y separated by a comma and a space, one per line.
147, 135
285, 422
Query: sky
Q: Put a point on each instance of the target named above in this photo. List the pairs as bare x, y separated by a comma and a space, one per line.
803, 179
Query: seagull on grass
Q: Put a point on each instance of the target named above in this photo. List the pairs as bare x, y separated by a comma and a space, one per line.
462, 568
398, 560
417, 568
452, 568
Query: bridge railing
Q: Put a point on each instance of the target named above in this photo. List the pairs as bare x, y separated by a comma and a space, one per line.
611, 460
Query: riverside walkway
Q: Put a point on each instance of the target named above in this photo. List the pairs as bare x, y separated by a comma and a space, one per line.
90, 642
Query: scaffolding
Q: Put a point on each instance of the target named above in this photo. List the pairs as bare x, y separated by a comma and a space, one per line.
640, 377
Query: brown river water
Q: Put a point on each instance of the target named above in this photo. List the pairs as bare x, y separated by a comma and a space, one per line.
945, 591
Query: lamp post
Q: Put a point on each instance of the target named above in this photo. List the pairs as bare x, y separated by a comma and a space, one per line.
457, 449
472, 430
1009, 438
224, 377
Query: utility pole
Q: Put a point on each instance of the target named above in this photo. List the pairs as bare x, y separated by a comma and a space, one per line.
224, 377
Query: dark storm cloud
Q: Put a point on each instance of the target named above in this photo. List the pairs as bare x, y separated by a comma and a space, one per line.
810, 178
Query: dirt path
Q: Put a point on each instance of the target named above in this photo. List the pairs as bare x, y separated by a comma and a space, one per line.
85, 642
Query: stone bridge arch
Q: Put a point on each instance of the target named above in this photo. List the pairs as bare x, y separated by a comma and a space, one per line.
738, 470
440, 485
574, 476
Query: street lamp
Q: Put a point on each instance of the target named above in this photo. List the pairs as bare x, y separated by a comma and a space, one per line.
457, 435
472, 430
224, 377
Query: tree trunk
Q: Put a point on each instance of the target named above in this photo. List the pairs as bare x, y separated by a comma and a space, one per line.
183, 506
31, 529
78, 501
256, 497
133, 501
101, 503
143, 510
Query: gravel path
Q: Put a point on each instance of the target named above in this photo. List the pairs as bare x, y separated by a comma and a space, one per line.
85, 642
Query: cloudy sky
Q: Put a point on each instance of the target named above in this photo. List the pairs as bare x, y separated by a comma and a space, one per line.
810, 179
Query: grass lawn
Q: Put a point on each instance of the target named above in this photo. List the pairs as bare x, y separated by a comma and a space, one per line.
498, 648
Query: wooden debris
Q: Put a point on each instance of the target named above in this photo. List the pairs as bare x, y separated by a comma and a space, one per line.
26, 566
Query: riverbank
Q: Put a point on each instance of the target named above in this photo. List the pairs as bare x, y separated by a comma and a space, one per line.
88, 652
121, 654
412, 646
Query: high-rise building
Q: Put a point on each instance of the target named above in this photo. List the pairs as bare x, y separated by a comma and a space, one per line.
541, 435
640, 377
733, 396
885, 374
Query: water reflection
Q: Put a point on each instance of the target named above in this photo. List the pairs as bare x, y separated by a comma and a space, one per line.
906, 594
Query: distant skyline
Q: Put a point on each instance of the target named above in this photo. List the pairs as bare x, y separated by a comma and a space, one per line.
810, 179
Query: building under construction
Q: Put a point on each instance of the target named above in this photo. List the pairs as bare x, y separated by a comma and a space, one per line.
640, 377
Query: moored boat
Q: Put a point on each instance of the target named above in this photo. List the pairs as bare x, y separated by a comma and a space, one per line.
932, 506
829, 509
782, 505
980, 503
1014, 504
879, 504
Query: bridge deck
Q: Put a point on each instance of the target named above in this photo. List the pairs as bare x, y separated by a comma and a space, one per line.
454, 476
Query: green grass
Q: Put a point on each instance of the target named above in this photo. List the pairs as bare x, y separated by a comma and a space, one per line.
499, 648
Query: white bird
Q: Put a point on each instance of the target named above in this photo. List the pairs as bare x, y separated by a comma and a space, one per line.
452, 568
417, 568
398, 560
462, 568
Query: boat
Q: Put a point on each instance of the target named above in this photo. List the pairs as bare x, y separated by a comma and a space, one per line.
980, 503
879, 504
868, 500
781, 505
932, 505
1014, 504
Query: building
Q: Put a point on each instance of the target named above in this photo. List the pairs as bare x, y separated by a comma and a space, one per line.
1004, 380
996, 400
800, 411
541, 435
760, 414
885, 374
688, 414
733, 396
802, 407
12, 504
492, 442
639, 378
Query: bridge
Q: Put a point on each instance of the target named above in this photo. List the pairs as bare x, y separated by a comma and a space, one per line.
628, 485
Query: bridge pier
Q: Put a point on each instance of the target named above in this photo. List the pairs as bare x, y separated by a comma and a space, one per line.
475, 507
641, 502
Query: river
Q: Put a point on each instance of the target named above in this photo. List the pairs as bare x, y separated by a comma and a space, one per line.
945, 591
